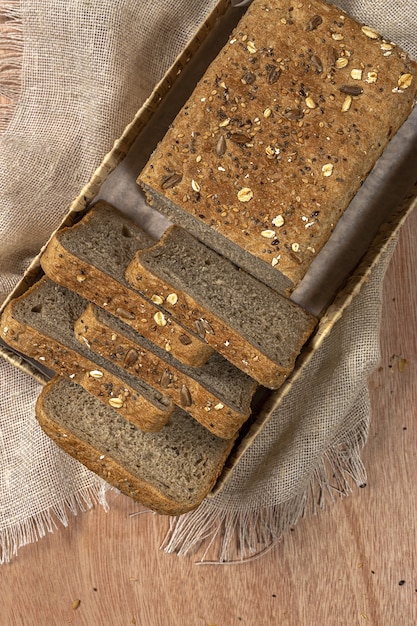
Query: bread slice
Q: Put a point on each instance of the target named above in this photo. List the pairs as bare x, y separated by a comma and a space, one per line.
91, 257
217, 394
279, 134
40, 324
257, 329
170, 471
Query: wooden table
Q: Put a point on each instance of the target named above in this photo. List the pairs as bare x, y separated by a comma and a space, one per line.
353, 563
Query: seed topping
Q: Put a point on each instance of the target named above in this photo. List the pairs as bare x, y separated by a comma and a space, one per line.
166, 379
347, 102
221, 146
172, 298
245, 194
131, 357
405, 81
327, 169
116, 403
278, 221
370, 32
314, 23
171, 181
185, 396
96, 374
351, 90
185, 340
124, 313
160, 318
268, 234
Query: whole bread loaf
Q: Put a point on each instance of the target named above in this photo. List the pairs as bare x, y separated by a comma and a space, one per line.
91, 258
259, 330
170, 471
279, 134
216, 394
40, 324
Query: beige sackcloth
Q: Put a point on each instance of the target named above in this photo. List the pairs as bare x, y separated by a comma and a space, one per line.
75, 73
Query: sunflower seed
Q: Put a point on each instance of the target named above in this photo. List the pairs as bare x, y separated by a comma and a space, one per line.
221, 146
240, 138
316, 61
199, 328
130, 358
124, 313
185, 396
245, 194
314, 23
171, 181
351, 90
166, 379
207, 326
273, 75
248, 78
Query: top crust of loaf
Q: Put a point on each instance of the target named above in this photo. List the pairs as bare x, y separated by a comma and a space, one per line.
280, 133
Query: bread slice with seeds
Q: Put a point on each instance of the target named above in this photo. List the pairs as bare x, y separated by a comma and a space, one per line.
257, 329
279, 134
40, 324
216, 394
169, 472
91, 257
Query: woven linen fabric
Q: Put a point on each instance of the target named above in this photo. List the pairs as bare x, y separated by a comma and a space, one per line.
78, 71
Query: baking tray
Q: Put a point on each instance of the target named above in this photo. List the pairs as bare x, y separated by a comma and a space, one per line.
340, 270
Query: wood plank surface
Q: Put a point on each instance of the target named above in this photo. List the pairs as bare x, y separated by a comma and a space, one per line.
352, 563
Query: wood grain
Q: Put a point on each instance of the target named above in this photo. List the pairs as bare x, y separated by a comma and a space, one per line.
344, 566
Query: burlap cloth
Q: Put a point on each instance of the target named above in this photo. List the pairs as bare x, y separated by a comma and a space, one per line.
76, 72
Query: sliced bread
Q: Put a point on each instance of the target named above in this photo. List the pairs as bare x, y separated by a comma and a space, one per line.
279, 134
216, 394
40, 324
169, 472
257, 329
91, 257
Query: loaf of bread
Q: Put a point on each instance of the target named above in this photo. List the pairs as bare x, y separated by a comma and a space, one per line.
257, 329
217, 394
91, 257
40, 324
279, 134
170, 471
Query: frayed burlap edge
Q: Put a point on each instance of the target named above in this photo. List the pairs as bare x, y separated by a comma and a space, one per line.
11, 58
28, 531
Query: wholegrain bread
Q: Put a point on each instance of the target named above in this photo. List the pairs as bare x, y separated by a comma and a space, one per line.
216, 394
259, 330
279, 134
91, 257
40, 324
170, 471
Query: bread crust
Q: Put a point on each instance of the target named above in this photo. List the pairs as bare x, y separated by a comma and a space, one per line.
93, 284
220, 334
217, 415
107, 387
280, 133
